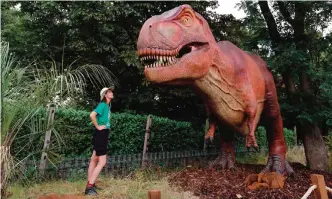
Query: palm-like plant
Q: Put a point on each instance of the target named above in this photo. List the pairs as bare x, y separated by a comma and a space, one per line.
26, 90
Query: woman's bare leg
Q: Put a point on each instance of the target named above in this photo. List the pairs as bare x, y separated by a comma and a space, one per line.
93, 164
98, 168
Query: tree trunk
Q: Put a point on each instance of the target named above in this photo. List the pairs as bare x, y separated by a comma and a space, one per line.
325, 129
314, 146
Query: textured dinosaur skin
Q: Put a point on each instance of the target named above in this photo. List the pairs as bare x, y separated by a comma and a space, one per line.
178, 47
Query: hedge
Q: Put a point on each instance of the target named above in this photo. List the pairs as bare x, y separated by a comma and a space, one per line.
75, 128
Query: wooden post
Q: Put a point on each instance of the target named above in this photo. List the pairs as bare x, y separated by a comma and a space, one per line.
154, 194
146, 139
206, 129
43, 160
320, 191
295, 136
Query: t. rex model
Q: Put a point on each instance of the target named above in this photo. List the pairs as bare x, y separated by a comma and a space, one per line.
178, 47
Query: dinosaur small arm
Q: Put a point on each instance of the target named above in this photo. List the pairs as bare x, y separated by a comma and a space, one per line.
238, 90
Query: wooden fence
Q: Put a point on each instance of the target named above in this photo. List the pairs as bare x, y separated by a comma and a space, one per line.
123, 164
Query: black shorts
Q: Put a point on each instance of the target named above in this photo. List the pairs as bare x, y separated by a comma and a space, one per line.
100, 141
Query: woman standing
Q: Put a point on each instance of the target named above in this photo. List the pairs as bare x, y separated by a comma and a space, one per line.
101, 120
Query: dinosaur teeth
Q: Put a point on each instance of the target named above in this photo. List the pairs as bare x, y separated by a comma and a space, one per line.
157, 60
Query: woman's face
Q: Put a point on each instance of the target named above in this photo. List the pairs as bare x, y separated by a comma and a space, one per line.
109, 94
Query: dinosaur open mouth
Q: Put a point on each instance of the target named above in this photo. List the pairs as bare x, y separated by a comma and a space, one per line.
154, 58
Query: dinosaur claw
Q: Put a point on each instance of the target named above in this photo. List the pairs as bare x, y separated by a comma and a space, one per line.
208, 140
251, 141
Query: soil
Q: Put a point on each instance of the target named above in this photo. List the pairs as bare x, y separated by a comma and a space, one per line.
215, 184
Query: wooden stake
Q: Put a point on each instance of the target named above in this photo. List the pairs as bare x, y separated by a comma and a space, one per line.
154, 194
146, 139
43, 160
207, 125
320, 191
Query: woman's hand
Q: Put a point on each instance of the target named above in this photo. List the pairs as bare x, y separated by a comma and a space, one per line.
102, 127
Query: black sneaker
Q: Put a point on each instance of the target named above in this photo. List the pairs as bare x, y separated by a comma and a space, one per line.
90, 191
97, 188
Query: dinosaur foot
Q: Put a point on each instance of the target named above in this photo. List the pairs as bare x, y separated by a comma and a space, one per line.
208, 139
224, 161
275, 164
251, 141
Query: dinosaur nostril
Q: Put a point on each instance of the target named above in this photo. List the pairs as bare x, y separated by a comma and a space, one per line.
150, 26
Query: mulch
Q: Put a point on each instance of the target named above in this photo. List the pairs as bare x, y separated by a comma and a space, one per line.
215, 184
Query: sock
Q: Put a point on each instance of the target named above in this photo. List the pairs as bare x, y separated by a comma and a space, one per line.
89, 185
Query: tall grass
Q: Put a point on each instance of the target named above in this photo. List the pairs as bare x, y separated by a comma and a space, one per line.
296, 154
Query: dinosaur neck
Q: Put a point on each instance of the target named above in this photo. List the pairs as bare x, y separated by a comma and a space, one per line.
218, 85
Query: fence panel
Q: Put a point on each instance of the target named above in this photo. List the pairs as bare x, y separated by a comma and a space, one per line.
123, 164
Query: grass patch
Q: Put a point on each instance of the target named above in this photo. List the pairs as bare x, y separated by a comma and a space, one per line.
296, 154
135, 186
253, 158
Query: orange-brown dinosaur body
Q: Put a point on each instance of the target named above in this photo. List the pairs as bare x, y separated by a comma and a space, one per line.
177, 47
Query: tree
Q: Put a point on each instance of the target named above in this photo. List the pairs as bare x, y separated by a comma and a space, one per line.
293, 40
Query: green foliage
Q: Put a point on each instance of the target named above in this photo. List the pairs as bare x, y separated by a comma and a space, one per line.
328, 139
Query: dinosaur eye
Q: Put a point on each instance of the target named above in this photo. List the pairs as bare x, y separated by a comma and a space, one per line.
186, 20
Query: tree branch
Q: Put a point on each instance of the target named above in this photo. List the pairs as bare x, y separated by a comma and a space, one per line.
285, 13
276, 39
271, 23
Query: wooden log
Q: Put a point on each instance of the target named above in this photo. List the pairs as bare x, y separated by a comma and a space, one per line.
318, 180
47, 141
207, 125
146, 139
154, 194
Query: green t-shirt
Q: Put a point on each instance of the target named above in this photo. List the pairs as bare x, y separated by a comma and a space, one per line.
103, 114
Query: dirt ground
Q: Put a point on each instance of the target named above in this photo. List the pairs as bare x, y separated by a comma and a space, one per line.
213, 184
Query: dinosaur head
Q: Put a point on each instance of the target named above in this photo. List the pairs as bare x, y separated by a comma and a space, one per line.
175, 46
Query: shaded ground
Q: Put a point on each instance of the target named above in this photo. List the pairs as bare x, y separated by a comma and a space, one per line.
212, 184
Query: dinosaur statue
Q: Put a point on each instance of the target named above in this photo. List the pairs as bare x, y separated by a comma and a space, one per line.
238, 90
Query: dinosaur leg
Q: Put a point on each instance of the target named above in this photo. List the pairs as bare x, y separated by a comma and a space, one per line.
277, 148
209, 135
250, 139
226, 159
275, 133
